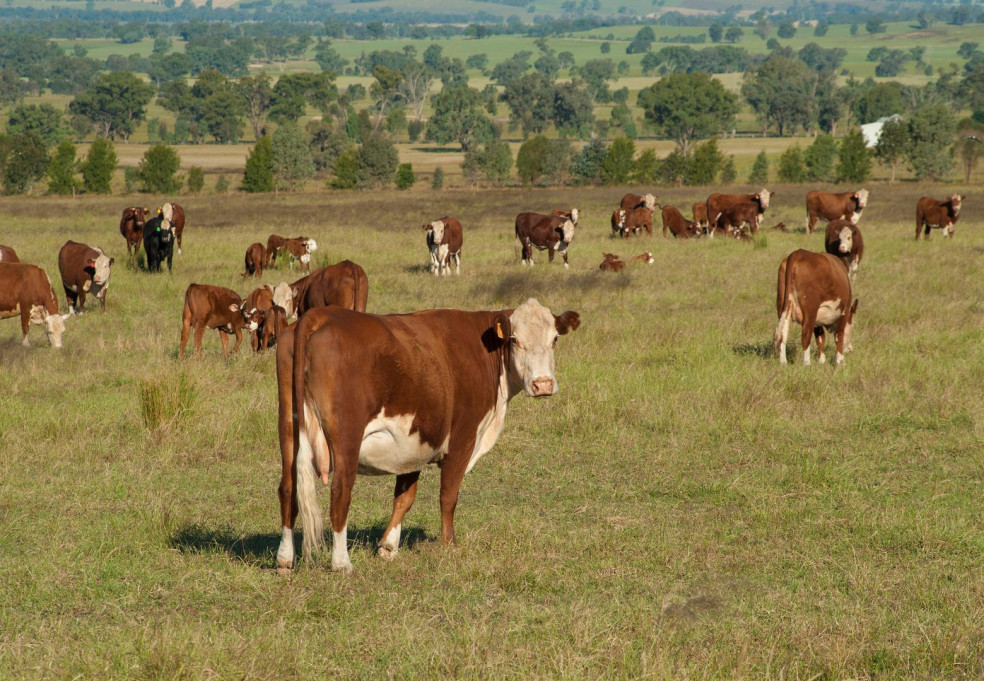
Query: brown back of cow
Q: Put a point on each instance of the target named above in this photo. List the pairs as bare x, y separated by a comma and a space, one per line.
344, 284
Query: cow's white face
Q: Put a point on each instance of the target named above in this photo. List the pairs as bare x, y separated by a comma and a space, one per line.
532, 336
846, 237
283, 296
621, 219
568, 230
956, 200
311, 245
168, 212
764, 197
54, 324
862, 198
650, 201
437, 228
102, 265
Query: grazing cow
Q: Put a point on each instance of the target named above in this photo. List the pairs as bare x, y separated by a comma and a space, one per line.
931, 213
611, 263
26, 290
158, 236
390, 394
679, 226
629, 221
631, 201
276, 244
829, 206
550, 232
843, 240
700, 217
132, 227
255, 257
214, 307
7, 254
571, 214
814, 290
174, 217
274, 322
84, 269
261, 300
717, 203
300, 249
444, 242
732, 220
344, 284
646, 258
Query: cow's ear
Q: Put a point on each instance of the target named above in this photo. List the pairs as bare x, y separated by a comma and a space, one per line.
234, 308
111, 261
501, 326
569, 321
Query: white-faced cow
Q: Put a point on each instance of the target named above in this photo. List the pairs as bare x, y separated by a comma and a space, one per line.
132, 227
814, 290
631, 201
158, 237
214, 307
444, 240
26, 291
84, 269
254, 259
679, 226
545, 232
933, 214
718, 203
174, 218
391, 394
829, 206
629, 221
344, 284
7, 254
843, 240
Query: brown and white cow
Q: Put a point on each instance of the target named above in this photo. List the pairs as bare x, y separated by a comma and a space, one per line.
571, 214
7, 254
214, 307
646, 258
444, 240
300, 250
611, 263
717, 203
26, 291
732, 220
629, 221
631, 201
274, 322
84, 269
276, 245
391, 394
132, 226
344, 284
174, 219
829, 206
933, 214
545, 232
679, 226
843, 240
254, 259
700, 217
814, 290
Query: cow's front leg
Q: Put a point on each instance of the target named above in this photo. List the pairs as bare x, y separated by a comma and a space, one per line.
453, 467
403, 498
239, 339
224, 337
565, 259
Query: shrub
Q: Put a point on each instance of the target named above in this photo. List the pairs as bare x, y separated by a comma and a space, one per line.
674, 168
158, 170
258, 176
855, 159
221, 185
588, 163
196, 179
129, 180
404, 176
62, 169
819, 158
376, 160
291, 161
617, 166
704, 163
437, 182
98, 167
646, 168
414, 128
728, 171
491, 163
23, 161
791, 166
346, 171
164, 399
760, 169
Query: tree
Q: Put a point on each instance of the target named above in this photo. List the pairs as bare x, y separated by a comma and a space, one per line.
819, 159
781, 92
573, 113
606, 47
597, 73
854, 159
404, 176
588, 164
530, 99
674, 168
255, 92
786, 30
62, 170
437, 182
715, 33
617, 166
221, 185
893, 144
491, 163
42, 120
642, 42
729, 173
115, 103
346, 171
820, 30
875, 25
704, 164
258, 176
931, 129
376, 160
760, 169
511, 68
23, 161
98, 167
414, 86
879, 100
645, 170
158, 169
687, 107
531, 159
328, 58
734, 34
196, 180
791, 166
458, 116
291, 160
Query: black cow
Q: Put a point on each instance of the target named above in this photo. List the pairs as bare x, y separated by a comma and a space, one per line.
158, 243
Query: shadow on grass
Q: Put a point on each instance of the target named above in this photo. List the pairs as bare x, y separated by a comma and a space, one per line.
438, 150
760, 350
417, 269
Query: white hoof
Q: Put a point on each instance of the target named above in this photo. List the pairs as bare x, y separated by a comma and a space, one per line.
387, 552
343, 566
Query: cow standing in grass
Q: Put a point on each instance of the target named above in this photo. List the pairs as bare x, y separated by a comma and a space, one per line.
829, 206
444, 241
632, 201
344, 284
545, 232
214, 307
174, 218
254, 259
83, 269
933, 214
718, 203
26, 291
132, 227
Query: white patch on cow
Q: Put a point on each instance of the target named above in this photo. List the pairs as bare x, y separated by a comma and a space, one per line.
306, 258
438, 228
54, 327
285, 554
568, 230
846, 238
101, 277
534, 334
764, 196
838, 359
442, 259
621, 219
806, 357
491, 425
311, 245
74, 288
854, 217
390, 545
829, 312
339, 551
862, 200
650, 201
87, 285
948, 229
821, 358
782, 333
283, 296
388, 446
167, 211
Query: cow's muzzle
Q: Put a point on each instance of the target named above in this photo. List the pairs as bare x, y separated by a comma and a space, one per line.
542, 387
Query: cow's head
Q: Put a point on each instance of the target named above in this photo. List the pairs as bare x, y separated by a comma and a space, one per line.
139, 215
531, 332
436, 231
283, 296
861, 198
647, 258
763, 198
650, 201
955, 201
252, 318
100, 268
54, 324
845, 239
566, 231
311, 245
620, 218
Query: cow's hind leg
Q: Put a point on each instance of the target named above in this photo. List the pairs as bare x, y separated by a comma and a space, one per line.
199, 334
821, 337
403, 497
346, 466
807, 336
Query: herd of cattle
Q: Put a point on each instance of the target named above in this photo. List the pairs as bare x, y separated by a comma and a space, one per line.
381, 394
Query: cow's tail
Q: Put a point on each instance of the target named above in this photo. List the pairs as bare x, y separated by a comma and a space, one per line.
785, 305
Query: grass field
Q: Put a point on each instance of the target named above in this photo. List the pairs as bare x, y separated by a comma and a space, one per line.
685, 507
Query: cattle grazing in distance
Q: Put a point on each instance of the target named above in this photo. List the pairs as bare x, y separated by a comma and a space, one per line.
214, 307
645, 258
814, 290
158, 237
132, 227
254, 259
611, 263
632, 201
700, 217
174, 217
300, 250
545, 232
843, 240
391, 394
26, 291
277, 244
933, 214
571, 214
679, 226
261, 300
7, 254
829, 206
444, 240
344, 284
732, 220
717, 203
84, 269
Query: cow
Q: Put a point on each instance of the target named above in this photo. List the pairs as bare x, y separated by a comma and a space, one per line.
132, 227
829, 206
174, 217
843, 240
629, 221
276, 244
679, 226
274, 322
261, 300
215, 307
931, 213
254, 259
158, 236
444, 240
814, 290
300, 250
646, 258
732, 220
344, 284
700, 217
7, 254
550, 232
631, 201
26, 290
571, 214
390, 394
611, 263
84, 269
716, 203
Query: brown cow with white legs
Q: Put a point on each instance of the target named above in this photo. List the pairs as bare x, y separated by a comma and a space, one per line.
718, 203
300, 250
679, 226
254, 260
700, 217
444, 241
344, 284
632, 201
132, 226
843, 240
814, 290
7, 254
545, 232
392, 394
214, 307
933, 214
26, 292
829, 206
83, 269
276, 244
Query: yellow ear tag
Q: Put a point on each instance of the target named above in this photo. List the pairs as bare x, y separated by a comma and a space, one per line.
498, 330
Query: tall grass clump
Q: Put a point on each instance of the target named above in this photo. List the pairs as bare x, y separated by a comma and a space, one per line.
163, 401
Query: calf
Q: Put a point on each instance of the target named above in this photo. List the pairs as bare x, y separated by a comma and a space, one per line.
277, 244
344, 284
274, 322
931, 214
717, 203
632, 201
7, 254
646, 258
158, 243
636, 220
132, 227
732, 220
545, 232
843, 240
25, 290
391, 394
255, 257
814, 290
611, 263
700, 217
829, 206
83, 269
214, 307
679, 226
444, 240
301, 250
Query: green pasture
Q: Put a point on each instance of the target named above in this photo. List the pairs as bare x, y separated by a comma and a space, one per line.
684, 507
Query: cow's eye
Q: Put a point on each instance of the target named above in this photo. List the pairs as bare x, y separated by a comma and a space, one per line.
513, 341
554, 344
